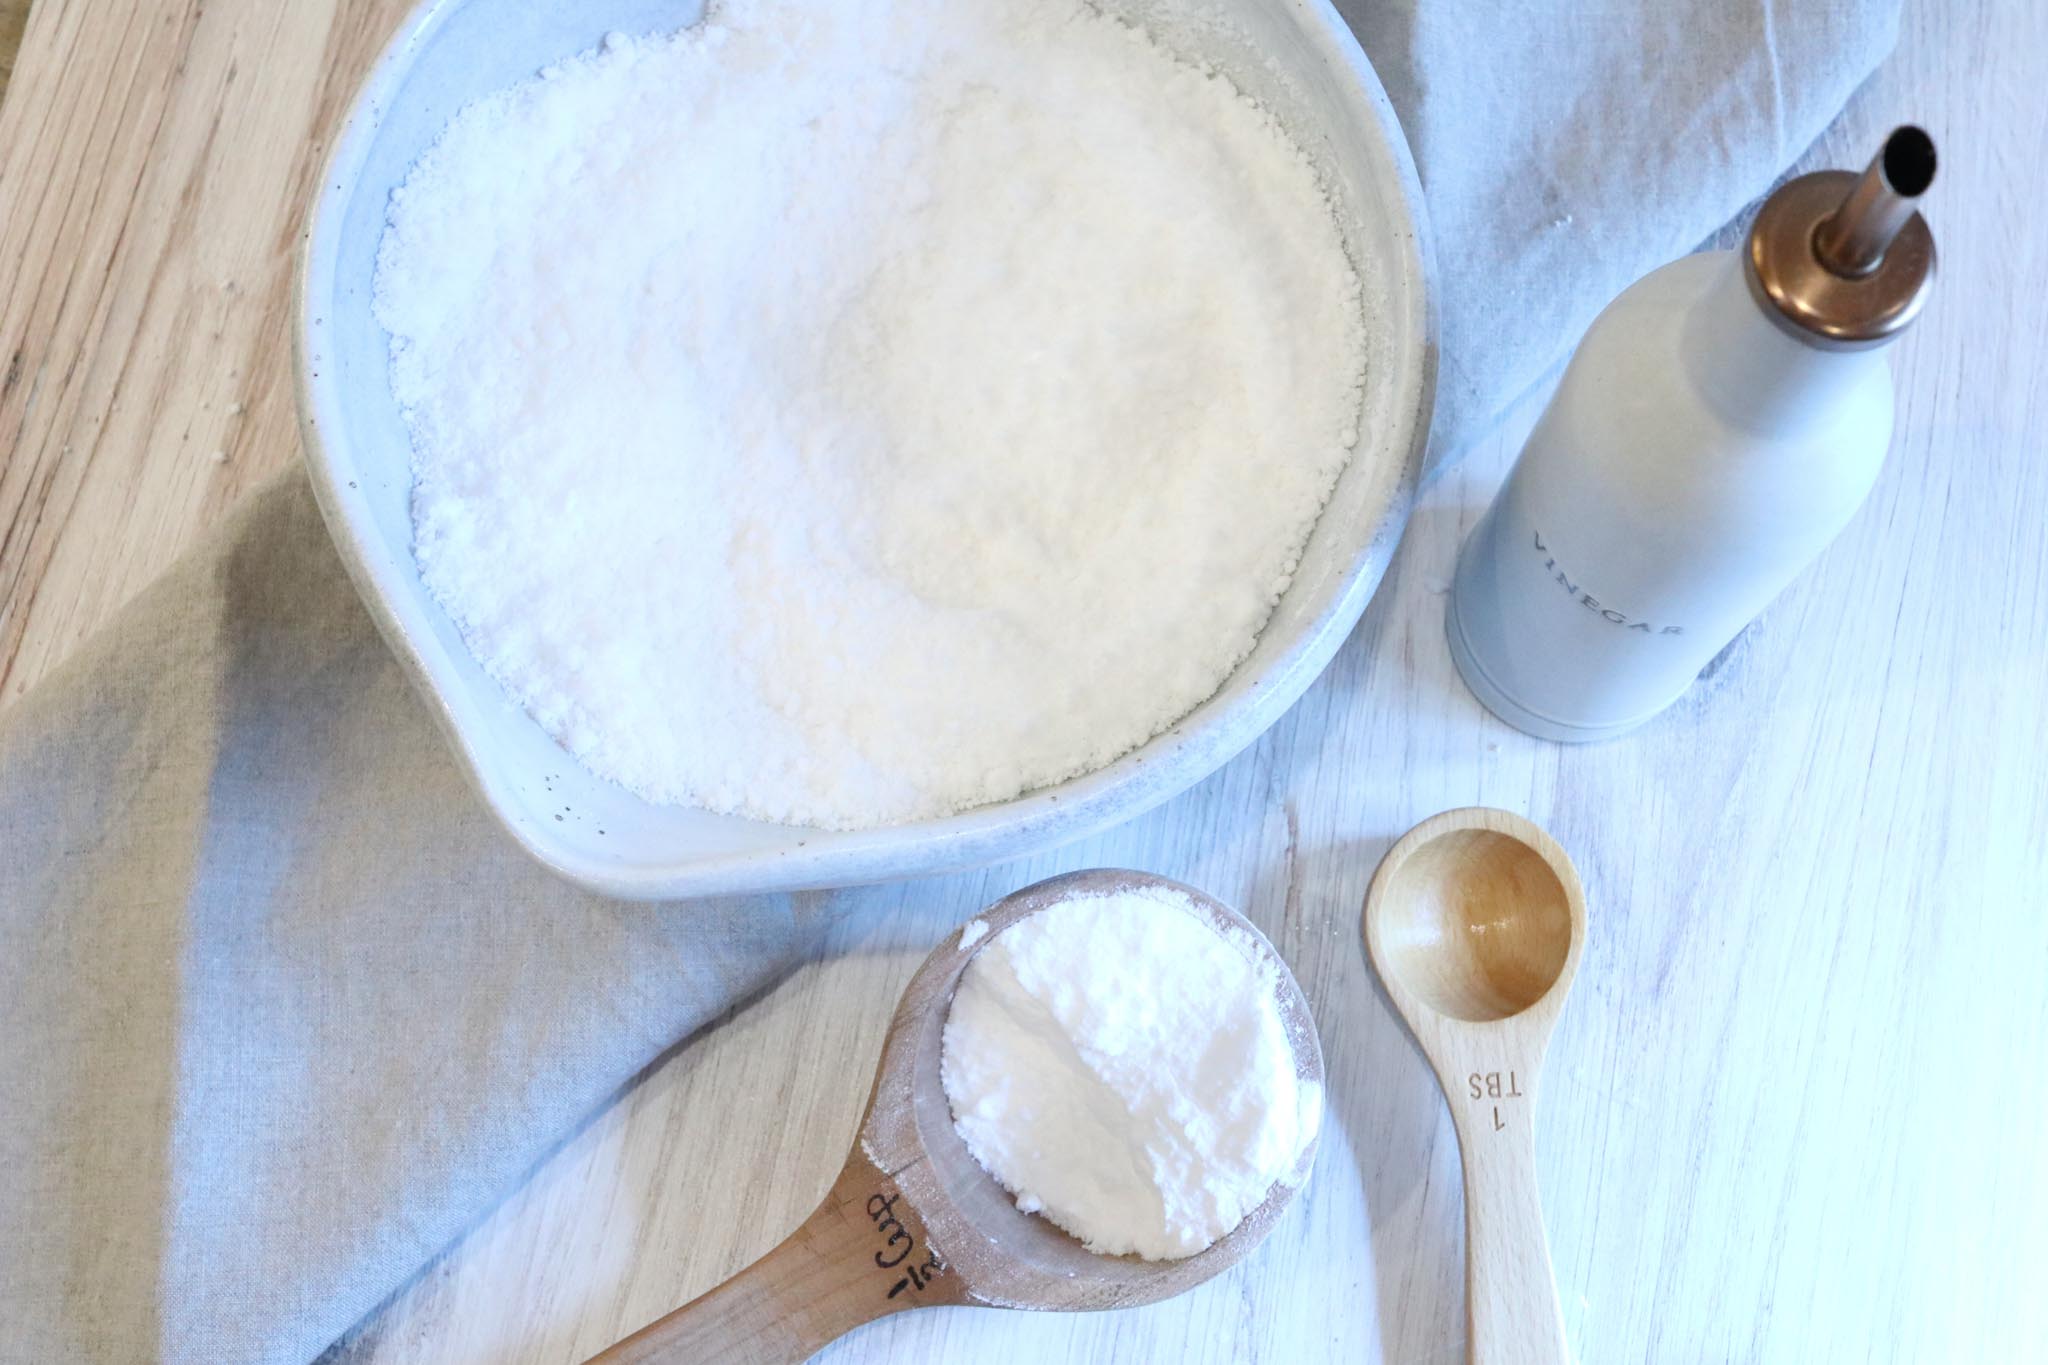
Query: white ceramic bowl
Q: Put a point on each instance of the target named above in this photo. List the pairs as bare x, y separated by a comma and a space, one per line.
1296, 56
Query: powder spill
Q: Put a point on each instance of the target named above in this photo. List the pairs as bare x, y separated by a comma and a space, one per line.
849, 414
1122, 1068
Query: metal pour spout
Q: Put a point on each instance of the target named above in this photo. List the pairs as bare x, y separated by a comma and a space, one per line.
1842, 261
1853, 240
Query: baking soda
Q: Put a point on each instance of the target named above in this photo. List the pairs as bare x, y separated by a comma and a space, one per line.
1121, 1067
849, 414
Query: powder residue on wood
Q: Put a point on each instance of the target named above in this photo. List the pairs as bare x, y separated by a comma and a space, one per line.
849, 414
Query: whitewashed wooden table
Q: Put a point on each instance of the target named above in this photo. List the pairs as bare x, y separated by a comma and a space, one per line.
1797, 1109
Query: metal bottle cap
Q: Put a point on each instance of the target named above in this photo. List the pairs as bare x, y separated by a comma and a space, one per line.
1842, 261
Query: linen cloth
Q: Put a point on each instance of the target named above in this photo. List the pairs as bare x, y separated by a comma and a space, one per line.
281, 1011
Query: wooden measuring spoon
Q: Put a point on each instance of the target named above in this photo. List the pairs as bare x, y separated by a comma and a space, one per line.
913, 1221
1475, 922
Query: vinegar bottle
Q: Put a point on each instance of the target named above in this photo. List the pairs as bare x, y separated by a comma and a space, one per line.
1719, 425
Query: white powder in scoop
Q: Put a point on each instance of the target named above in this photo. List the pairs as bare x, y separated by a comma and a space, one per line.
1122, 1068
844, 414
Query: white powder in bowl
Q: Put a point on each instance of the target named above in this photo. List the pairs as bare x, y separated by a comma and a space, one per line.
1122, 1068
848, 414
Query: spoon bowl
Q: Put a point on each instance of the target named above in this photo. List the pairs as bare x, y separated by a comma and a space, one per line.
1475, 922
914, 1221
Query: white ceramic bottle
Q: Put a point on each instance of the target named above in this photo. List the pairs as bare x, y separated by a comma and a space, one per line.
1719, 425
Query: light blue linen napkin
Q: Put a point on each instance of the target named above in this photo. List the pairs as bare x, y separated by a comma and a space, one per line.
1566, 149
282, 1013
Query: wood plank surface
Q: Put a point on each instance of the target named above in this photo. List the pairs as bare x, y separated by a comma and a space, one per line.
1796, 1108
155, 160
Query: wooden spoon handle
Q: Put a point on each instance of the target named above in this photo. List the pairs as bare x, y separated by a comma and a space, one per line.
1511, 1307
863, 1255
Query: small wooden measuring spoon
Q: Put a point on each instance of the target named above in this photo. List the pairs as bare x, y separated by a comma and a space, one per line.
1475, 922
913, 1221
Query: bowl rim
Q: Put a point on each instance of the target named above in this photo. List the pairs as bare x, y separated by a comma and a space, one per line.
1189, 750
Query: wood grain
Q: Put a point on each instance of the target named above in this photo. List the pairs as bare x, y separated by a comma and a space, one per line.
813, 1287
1795, 1110
155, 159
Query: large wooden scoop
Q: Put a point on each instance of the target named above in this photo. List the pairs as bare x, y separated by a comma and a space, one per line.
914, 1221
